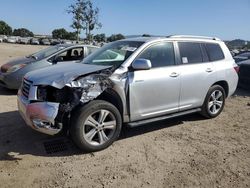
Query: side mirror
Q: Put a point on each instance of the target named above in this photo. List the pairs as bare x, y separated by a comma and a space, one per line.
141, 64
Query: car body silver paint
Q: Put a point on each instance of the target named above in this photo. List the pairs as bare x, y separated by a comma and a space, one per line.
148, 96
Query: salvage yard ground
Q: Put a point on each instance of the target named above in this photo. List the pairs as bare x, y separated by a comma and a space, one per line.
188, 151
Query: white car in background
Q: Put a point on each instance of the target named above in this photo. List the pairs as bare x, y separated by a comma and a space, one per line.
12, 39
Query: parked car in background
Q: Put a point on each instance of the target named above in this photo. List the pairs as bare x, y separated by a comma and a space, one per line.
55, 41
34, 41
244, 74
132, 82
1, 39
67, 42
11, 73
241, 57
24, 40
45, 42
12, 39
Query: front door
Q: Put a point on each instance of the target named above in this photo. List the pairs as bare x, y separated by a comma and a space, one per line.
155, 92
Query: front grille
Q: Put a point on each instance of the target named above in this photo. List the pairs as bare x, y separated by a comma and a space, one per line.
26, 87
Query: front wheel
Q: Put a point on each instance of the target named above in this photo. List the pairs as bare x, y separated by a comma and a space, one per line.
96, 125
214, 102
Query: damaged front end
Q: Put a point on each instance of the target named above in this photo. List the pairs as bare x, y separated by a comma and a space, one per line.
46, 108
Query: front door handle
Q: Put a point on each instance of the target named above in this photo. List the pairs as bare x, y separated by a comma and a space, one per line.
174, 74
209, 70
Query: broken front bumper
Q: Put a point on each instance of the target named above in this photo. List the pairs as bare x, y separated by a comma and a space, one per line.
39, 115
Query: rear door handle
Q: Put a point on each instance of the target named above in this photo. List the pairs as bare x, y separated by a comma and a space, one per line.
174, 74
209, 70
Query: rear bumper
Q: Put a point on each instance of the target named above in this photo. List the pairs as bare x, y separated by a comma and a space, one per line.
39, 115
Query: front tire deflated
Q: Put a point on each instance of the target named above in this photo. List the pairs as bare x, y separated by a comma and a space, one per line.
96, 125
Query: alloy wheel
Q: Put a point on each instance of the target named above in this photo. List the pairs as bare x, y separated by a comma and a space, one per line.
215, 102
99, 127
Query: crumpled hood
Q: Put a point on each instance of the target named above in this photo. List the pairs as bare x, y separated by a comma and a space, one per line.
62, 73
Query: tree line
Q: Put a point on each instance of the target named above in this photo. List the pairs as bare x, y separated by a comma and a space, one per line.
84, 18
5, 29
60, 33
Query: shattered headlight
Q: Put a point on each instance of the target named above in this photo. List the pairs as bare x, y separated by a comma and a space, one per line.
41, 93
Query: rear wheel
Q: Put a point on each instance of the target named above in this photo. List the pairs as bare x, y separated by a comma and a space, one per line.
214, 102
96, 125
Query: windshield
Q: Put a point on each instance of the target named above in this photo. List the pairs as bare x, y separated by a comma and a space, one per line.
114, 53
46, 52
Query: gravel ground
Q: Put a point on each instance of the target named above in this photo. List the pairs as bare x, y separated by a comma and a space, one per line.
188, 151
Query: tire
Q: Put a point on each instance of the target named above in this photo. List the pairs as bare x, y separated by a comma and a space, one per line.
95, 126
214, 102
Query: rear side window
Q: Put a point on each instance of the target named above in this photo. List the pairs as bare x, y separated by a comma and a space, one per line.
214, 51
160, 55
190, 52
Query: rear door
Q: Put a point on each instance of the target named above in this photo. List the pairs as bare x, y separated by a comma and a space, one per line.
197, 74
155, 92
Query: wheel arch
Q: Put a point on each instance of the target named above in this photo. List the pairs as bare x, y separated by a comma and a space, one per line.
224, 85
112, 97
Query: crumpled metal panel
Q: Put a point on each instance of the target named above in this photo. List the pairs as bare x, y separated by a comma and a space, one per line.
61, 74
42, 110
93, 85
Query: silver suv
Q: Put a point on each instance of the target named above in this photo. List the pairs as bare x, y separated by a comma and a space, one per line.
132, 82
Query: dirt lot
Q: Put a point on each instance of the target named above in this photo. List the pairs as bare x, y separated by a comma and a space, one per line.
183, 152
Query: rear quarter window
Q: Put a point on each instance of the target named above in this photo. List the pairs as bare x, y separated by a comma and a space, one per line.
215, 52
190, 52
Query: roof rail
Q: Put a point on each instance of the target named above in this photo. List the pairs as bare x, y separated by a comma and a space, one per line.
194, 37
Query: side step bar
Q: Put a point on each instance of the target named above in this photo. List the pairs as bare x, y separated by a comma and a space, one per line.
138, 123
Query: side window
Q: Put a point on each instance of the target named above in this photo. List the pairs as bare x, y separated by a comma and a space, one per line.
73, 54
160, 55
204, 53
190, 52
214, 52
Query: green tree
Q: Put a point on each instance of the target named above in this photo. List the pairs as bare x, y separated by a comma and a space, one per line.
115, 37
90, 19
71, 36
77, 10
5, 29
59, 33
100, 37
85, 16
22, 32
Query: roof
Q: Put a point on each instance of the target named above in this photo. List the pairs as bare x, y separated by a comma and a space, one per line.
174, 37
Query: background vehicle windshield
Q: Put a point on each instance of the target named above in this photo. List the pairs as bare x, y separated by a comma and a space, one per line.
114, 53
46, 52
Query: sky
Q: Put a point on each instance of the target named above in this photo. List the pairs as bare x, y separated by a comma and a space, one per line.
226, 19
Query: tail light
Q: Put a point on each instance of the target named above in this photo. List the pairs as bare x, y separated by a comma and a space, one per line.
237, 69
